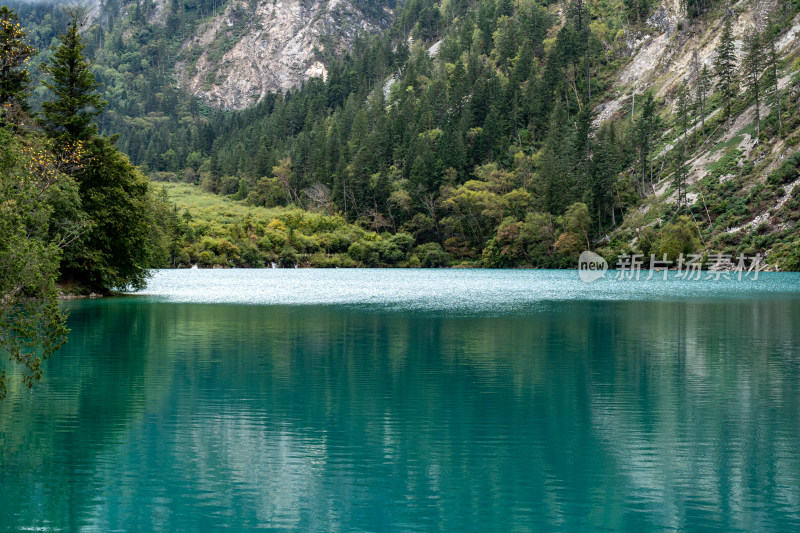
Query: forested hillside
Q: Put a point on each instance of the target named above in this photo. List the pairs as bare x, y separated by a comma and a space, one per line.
486, 139
501, 133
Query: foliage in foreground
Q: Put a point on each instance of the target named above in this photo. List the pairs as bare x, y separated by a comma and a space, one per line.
72, 207
33, 233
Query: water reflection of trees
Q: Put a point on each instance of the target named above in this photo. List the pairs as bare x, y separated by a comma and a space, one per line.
83, 405
581, 415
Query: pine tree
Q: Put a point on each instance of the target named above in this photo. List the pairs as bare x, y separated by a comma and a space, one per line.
772, 60
645, 129
683, 111
638, 9
581, 36
582, 148
703, 86
117, 249
753, 67
503, 8
681, 173
14, 53
554, 174
69, 116
605, 167
725, 65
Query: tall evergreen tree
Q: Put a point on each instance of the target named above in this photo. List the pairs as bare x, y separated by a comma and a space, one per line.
681, 174
725, 65
605, 167
69, 117
582, 147
638, 9
645, 129
683, 111
117, 250
753, 67
703, 87
772, 61
554, 173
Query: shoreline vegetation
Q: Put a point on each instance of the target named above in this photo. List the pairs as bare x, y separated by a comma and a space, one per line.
212, 231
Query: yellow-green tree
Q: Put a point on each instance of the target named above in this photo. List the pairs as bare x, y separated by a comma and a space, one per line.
32, 326
14, 55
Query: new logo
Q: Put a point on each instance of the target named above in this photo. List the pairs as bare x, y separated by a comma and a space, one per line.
591, 267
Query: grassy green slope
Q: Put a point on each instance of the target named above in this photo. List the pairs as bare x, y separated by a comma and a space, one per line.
213, 231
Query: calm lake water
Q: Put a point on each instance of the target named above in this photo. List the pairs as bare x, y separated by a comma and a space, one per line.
414, 400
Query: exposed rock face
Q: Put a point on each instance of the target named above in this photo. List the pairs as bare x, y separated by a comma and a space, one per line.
272, 45
663, 57
663, 20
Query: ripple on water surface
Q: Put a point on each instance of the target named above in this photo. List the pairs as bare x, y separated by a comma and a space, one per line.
469, 291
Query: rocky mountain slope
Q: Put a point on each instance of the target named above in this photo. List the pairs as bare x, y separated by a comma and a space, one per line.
740, 193
231, 53
251, 49
670, 51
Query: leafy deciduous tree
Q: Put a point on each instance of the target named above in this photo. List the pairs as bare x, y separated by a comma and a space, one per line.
32, 326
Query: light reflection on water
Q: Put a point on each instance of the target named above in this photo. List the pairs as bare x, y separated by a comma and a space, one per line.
564, 413
464, 291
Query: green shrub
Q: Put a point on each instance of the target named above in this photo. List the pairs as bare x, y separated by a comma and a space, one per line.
227, 248
265, 244
431, 255
391, 254
788, 171
206, 258
679, 237
786, 255
493, 257
320, 260
365, 252
288, 257
403, 241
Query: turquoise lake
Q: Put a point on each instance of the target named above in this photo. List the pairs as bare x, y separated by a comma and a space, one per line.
414, 400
